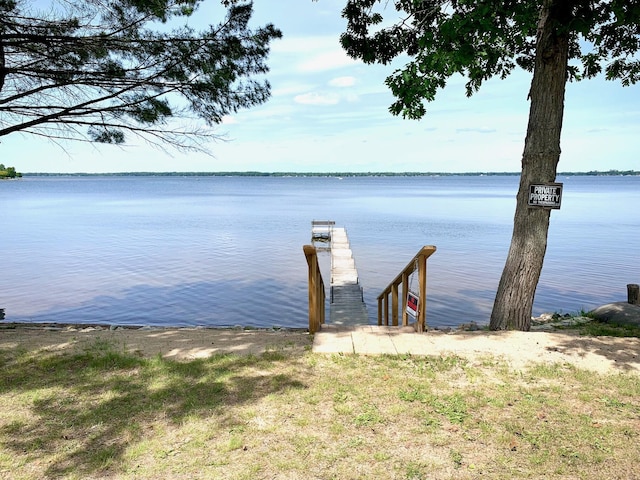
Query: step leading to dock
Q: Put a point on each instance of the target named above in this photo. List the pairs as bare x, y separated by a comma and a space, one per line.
347, 305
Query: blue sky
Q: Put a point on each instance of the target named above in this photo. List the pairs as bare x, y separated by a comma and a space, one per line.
330, 113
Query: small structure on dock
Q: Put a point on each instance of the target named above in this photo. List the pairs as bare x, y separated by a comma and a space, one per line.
321, 229
321, 233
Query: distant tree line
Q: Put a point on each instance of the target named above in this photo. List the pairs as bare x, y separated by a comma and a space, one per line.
8, 172
332, 174
608, 172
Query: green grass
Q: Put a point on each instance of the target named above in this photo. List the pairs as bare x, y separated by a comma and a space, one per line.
104, 413
603, 329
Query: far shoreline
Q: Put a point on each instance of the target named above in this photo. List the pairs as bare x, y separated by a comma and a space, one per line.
594, 173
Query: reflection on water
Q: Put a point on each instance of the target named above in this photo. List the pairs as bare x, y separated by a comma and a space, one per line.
224, 251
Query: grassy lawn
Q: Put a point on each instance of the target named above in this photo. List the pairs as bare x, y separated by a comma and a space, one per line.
104, 413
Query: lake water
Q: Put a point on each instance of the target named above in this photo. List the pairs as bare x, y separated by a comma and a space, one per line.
221, 251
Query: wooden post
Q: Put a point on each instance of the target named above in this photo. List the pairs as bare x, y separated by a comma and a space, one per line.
394, 304
315, 283
385, 307
405, 295
313, 321
633, 294
379, 311
422, 277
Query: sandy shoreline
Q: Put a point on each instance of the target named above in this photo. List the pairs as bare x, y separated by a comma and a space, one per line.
176, 343
518, 349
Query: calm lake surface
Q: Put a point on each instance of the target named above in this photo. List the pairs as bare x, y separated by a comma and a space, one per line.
221, 251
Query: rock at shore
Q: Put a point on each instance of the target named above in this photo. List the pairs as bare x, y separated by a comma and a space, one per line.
553, 321
621, 313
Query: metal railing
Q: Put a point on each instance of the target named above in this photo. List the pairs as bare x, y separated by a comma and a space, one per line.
317, 295
419, 262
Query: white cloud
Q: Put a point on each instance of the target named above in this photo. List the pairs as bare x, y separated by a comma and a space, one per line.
343, 82
317, 99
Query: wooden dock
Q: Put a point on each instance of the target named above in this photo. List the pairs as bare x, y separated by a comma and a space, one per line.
347, 305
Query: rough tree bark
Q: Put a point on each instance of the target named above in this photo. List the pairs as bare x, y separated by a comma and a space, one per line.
514, 299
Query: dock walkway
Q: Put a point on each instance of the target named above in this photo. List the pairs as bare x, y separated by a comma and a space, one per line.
347, 305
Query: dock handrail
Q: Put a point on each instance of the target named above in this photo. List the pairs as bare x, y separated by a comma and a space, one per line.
419, 261
322, 223
317, 295
322, 229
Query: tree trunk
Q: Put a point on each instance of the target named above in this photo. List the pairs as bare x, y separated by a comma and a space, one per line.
516, 290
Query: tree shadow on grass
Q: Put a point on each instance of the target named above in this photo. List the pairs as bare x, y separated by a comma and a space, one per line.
624, 352
84, 411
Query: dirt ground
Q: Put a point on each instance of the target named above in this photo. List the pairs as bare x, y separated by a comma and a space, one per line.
600, 354
173, 343
519, 349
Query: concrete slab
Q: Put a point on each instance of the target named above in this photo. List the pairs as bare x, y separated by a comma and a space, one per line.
412, 344
372, 340
332, 340
368, 342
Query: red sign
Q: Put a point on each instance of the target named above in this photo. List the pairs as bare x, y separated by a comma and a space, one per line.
412, 304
